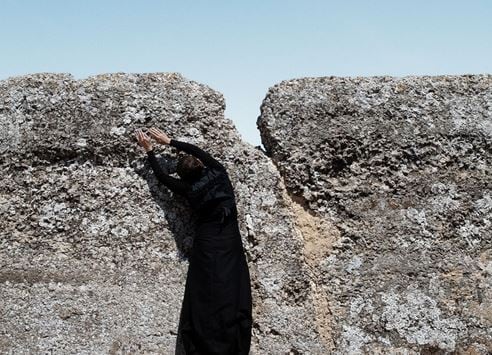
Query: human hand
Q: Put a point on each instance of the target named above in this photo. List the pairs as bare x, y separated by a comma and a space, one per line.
159, 135
143, 140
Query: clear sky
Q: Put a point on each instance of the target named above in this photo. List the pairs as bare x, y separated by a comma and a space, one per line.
241, 48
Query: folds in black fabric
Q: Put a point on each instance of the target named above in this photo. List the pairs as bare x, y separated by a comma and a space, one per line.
217, 305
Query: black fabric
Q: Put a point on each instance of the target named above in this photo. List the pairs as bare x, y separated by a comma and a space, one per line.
216, 313
217, 305
212, 185
175, 185
196, 151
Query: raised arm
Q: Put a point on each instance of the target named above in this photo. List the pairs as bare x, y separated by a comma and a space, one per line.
175, 185
192, 149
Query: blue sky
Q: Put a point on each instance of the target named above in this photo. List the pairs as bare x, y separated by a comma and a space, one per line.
241, 48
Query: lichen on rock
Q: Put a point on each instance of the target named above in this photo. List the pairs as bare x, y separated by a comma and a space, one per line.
366, 224
401, 167
93, 252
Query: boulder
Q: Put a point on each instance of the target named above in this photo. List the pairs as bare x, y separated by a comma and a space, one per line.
394, 175
93, 251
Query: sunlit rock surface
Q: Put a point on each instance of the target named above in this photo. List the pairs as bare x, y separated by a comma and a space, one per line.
93, 252
367, 228
394, 179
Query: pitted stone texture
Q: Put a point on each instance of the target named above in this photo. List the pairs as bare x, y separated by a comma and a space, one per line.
93, 251
402, 167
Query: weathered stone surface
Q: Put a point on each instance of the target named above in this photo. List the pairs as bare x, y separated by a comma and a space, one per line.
93, 251
379, 241
396, 174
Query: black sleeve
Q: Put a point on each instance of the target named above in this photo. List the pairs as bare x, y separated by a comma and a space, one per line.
175, 185
192, 149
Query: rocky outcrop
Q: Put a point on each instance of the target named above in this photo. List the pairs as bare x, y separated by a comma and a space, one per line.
93, 252
391, 182
366, 225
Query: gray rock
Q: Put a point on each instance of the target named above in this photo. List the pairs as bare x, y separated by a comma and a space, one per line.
93, 253
399, 170
366, 222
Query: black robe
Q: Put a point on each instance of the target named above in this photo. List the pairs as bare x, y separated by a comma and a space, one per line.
216, 316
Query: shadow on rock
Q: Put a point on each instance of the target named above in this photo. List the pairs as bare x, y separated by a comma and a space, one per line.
180, 220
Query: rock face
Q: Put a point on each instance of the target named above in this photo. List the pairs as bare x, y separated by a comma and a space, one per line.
366, 225
93, 252
394, 176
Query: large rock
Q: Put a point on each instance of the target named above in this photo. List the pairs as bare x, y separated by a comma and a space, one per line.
93, 253
394, 176
374, 237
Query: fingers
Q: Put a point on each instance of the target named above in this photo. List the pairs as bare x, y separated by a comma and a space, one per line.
140, 134
142, 137
154, 131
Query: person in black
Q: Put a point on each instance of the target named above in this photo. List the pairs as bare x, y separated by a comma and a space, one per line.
217, 305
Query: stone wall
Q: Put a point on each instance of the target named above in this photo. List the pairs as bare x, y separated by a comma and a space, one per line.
93, 252
366, 224
395, 175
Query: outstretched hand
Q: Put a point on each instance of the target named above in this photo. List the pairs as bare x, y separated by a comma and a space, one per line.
143, 140
159, 135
